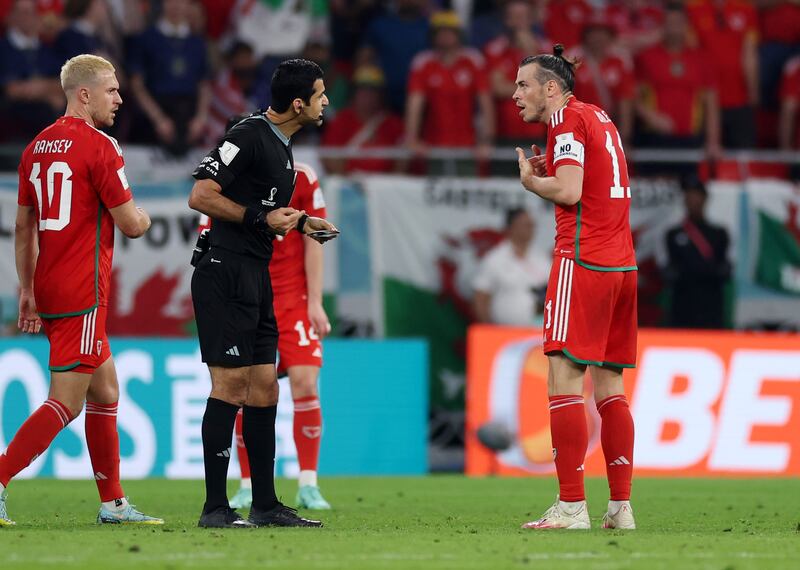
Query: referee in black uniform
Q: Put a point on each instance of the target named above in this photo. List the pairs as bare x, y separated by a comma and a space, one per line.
244, 186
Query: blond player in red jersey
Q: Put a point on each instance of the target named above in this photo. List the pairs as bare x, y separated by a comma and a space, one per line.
72, 192
590, 306
296, 274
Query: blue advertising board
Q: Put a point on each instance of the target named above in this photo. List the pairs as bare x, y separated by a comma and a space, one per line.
374, 401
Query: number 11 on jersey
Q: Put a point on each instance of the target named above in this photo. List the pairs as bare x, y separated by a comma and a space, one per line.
617, 190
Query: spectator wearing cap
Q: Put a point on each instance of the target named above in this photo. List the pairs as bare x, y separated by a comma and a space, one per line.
365, 123
677, 99
169, 79
605, 74
503, 55
727, 31
564, 20
789, 124
698, 267
397, 37
636, 22
508, 286
31, 92
90, 30
445, 86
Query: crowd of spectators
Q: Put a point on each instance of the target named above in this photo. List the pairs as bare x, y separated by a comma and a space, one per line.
706, 74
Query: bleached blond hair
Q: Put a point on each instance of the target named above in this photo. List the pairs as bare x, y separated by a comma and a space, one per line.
82, 70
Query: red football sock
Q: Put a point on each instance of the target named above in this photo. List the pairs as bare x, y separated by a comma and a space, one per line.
570, 439
616, 437
33, 438
102, 439
241, 450
307, 431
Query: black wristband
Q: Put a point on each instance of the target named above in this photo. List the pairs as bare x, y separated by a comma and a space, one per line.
250, 216
301, 223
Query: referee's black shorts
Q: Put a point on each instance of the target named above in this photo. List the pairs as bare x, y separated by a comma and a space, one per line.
232, 297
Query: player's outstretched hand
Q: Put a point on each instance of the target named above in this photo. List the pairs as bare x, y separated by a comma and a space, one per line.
29, 321
538, 161
327, 231
282, 220
319, 319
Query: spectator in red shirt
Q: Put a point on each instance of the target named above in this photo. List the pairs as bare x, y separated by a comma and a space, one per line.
232, 90
727, 30
503, 55
444, 87
677, 101
605, 76
789, 126
637, 23
564, 20
365, 123
779, 41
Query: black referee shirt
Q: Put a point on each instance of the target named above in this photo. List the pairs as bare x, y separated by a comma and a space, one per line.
255, 168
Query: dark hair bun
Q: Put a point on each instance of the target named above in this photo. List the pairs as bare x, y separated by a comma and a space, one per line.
558, 49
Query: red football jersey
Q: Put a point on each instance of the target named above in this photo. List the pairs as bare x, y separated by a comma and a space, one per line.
502, 55
73, 174
564, 20
605, 83
287, 268
790, 89
674, 83
596, 231
347, 129
721, 32
450, 95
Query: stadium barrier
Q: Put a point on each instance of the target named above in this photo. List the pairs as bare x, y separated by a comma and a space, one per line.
704, 404
374, 396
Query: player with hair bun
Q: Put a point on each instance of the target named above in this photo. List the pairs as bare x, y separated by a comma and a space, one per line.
590, 306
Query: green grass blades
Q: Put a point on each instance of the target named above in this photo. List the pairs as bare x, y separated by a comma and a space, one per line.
417, 523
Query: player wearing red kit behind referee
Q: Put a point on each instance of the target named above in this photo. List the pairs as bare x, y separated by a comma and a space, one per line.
590, 306
72, 192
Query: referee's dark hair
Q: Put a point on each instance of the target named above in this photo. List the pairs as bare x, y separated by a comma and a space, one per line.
293, 79
554, 67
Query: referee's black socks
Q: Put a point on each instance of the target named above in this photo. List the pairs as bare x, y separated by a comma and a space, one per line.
217, 433
258, 432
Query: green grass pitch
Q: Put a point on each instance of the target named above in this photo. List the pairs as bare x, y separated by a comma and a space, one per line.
417, 523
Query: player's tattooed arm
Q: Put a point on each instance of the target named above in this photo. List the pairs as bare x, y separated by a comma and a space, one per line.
26, 251
564, 189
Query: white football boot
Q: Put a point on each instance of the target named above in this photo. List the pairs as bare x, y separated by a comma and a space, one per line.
571, 516
619, 516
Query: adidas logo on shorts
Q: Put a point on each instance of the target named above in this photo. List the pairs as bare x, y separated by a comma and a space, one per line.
233, 351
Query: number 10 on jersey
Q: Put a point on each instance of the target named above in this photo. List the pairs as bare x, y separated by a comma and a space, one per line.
65, 194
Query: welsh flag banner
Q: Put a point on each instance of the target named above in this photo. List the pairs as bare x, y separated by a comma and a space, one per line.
778, 264
427, 237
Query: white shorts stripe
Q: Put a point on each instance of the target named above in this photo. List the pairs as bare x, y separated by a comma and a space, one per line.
83, 334
563, 293
91, 332
558, 299
568, 300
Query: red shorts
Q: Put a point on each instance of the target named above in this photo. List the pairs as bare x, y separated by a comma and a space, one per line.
78, 344
298, 342
590, 316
